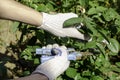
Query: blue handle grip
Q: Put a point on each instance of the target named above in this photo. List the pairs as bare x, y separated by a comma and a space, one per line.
48, 54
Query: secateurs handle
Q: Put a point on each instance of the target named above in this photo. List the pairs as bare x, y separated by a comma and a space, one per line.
47, 54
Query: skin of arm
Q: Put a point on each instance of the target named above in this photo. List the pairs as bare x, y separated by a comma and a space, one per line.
12, 10
34, 77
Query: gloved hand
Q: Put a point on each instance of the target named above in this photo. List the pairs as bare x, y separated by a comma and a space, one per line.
56, 66
54, 25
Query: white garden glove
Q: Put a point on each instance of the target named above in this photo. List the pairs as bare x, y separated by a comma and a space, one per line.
56, 66
54, 24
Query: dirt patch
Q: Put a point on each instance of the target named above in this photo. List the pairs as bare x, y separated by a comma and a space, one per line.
8, 58
6, 35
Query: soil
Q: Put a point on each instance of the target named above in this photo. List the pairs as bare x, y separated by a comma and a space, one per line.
7, 57
6, 35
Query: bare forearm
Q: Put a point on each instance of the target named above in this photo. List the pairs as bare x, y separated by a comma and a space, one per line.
34, 77
10, 9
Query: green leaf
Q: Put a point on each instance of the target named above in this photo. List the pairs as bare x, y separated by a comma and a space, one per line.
98, 17
116, 69
72, 22
103, 34
83, 78
79, 45
26, 54
90, 24
91, 44
93, 3
49, 7
35, 1
91, 59
71, 72
113, 76
110, 14
77, 77
117, 21
117, 64
83, 3
15, 27
98, 62
42, 8
104, 69
66, 3
96, 78
36, 61
59, 78
26, 73
101, 48
96, 10
86, 73
113, 46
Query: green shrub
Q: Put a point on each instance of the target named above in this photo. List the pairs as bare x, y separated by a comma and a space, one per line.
101, 21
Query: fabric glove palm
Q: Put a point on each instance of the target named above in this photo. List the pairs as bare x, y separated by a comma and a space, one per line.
54, 24
54, 67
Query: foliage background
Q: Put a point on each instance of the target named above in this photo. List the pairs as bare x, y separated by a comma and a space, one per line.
101, 21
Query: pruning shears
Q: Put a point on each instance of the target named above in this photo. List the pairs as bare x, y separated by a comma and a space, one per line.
47, 54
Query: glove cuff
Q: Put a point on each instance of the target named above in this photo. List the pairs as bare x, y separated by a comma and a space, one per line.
43, 19
52, 72
42, 72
